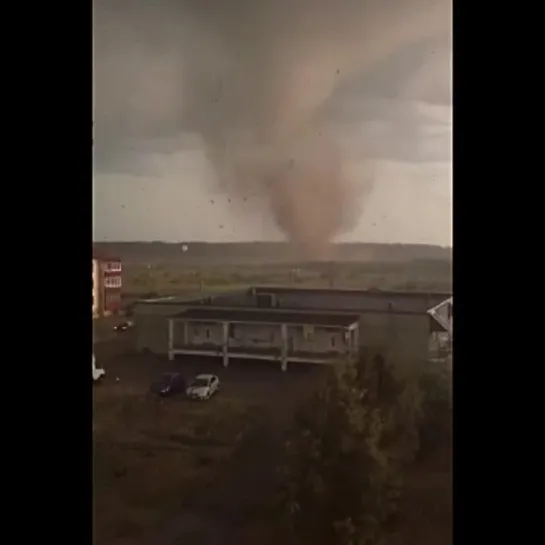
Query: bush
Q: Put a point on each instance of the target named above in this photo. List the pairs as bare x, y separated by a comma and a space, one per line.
338, 484
435, 384
349, 446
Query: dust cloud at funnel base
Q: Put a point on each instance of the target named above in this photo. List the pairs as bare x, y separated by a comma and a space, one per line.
310, 201
303, 188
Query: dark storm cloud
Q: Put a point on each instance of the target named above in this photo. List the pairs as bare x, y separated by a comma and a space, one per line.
259, 82
143, 49
389, 78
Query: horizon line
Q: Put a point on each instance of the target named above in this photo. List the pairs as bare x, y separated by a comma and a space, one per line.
446, 247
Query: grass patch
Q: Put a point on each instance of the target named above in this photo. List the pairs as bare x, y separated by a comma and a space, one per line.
176, 278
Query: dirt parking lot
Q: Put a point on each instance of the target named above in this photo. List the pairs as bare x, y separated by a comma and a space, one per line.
145, 447
254, 381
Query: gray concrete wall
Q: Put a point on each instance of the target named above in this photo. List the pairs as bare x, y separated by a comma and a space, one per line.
352, 301
152, 326
152, 334
403, 338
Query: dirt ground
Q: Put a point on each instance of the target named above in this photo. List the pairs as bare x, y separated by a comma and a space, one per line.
238, 489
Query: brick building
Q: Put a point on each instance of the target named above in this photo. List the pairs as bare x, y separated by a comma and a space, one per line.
107, 284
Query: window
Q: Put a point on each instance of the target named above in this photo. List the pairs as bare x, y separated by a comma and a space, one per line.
112, 282
112, 266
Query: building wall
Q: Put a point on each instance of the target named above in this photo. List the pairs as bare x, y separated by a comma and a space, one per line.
255, 336
151, 326
317, 339
112, 281
202, 334
403, 336
300, 339
96, 288
107, 285
152, 334
440, 344
398, 325
352, 301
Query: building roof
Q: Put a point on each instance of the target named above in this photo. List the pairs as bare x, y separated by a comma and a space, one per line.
354, 302
362, 301
442, 314
378, 293
208, 314
99, 256
190, 299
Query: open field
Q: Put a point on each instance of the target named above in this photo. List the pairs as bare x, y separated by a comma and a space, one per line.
161, 268
178, 278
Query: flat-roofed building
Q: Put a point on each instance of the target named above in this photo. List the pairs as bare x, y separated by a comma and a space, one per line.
264, 334
398, 325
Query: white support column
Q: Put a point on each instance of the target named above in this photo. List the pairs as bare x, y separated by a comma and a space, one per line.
284, 337
171, 339
348, 343
357, 337
225, 343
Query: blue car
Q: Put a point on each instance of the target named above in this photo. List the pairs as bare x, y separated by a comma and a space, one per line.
168, 385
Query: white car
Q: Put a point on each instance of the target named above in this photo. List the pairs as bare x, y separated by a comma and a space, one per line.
203, 387
97, 372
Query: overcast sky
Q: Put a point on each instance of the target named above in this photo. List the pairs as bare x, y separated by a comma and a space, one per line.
162, 73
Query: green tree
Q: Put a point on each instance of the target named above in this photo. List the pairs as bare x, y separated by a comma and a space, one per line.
338, 483
435, 383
